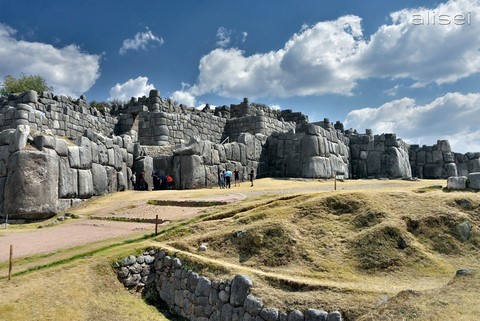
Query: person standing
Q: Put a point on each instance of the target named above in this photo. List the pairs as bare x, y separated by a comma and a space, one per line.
252, 174
236, 175
133, 179
228, 178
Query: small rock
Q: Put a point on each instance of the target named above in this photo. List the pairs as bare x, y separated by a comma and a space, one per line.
402, 243
464, 272
202, 247
464, 230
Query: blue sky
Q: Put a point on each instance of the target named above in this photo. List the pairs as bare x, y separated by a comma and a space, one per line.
368, 63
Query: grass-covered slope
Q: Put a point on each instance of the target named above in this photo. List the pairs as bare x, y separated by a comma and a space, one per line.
350, 251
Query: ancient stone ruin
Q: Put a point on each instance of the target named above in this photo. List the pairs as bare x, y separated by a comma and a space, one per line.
56, 151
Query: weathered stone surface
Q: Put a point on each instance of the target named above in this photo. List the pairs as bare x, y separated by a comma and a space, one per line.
334, 316
315, 315
457, 182
295, 315
22, 196
67, 179
317, 167
269, 314
474, 180
99, 179
241, 285
85, 183
253, 305
18, 140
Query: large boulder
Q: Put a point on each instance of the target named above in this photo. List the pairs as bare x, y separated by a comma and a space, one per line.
31, 189
457, 182
67, 179
474, 180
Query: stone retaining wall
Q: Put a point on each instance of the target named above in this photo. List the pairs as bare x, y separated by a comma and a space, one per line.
198, 298
379, 156
42, 175
314, 152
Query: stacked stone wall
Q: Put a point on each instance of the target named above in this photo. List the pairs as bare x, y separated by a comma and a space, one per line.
198, 163
438, 161
198, 298
379, 156
162, 128
312, 153
56, 115
42, 175
258, 124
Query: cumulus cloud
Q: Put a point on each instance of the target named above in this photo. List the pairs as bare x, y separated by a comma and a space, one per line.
432, 53
453, 116
137, 87
141, 40
68, 70
332, 56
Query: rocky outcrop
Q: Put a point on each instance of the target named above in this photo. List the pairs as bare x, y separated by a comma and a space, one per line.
198, 298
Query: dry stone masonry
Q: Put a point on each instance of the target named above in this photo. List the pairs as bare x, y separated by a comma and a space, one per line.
74, 151
198, 298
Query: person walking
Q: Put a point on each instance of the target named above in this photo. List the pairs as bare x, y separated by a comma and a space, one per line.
252, 174
236, 174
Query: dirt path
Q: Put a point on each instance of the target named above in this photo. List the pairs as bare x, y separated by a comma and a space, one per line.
66, 235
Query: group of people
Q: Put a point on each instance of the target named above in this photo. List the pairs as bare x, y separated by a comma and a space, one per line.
159, 181
225, 177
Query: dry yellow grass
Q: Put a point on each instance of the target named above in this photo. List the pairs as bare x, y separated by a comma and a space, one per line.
86, 289
303, 244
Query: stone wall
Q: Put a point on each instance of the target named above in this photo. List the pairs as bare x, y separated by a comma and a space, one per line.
162, 128
258, 124
56, 115
42, 175
378, 156
198, 298
196, 164
438, 161
314, 152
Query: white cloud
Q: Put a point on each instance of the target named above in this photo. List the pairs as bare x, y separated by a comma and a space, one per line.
332, 56
453, 116
223, 36
141, 40
276, 107
184, 97
68, 70
392, 91
137, 87
425, 53
227, 37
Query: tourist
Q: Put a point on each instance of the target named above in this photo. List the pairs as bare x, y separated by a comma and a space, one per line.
228, 178
219, 174
252, 174
133, 179
236, 174
142, 183
156, 180
169, 182
222, 179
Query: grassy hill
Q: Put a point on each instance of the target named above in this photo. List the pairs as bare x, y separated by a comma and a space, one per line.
373, 250
351, 251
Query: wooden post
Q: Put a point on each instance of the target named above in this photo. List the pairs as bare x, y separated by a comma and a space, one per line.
335, 181
10, 263
156, 224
